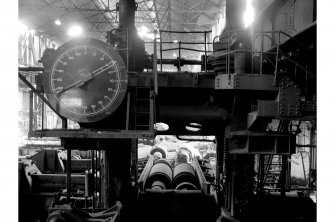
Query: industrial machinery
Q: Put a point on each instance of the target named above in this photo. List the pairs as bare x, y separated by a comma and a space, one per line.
248, 99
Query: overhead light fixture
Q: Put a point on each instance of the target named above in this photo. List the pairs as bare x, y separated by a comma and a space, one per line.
145, 33
249, 14
75, 30
143, 29
58, 22
175, 41
195, 127
174, 54
161, 126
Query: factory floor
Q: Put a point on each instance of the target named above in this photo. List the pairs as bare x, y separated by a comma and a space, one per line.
176, 206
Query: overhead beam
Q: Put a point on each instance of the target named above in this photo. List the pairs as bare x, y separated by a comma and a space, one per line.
67, 9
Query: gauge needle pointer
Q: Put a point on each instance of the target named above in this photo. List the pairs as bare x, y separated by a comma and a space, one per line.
92, 75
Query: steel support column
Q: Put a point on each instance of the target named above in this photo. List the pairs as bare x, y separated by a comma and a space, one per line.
219, 159
261, 173
116, 172
283, 175
68, 178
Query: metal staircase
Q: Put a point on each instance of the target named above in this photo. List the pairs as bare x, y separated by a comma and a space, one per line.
273, 168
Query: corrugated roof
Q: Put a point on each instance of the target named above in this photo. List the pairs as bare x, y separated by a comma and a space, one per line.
98, 16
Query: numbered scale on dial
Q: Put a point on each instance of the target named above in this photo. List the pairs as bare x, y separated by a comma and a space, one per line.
87, 80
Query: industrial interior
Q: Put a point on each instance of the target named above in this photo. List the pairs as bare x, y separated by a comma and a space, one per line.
167, 110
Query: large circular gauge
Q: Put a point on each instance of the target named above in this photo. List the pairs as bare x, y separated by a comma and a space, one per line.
86, 81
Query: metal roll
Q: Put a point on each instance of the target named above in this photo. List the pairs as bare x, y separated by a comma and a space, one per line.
161, 172
56, 216
159, 149
186, 186
184, 173
183, 155
158, 185
163, 161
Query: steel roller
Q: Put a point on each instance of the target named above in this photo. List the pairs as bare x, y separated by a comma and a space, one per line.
186, 186
160, 176
184, 177
159, 150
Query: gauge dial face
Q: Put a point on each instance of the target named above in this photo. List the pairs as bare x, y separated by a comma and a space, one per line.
87, 81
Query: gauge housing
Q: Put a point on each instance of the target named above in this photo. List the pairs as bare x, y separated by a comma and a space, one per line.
85, 80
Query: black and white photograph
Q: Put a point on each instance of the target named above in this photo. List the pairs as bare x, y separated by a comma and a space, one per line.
167, 111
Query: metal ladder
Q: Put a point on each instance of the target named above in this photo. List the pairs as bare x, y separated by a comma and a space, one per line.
144, 108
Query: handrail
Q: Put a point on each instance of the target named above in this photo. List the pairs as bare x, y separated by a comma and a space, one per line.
283, 56
45, 101
189, 49
181, 32
301, 67
186, 43
288, 35
277, 44
34, 90
182, 48
263, 34
278, 52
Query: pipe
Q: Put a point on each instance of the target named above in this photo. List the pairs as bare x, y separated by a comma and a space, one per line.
93, 187
160, 50
184, 43
31, 110
31, 69
186, 32
205, 52
154, 65
179, 56
191, 114
127, 10
190, 139
182, 62
88, 184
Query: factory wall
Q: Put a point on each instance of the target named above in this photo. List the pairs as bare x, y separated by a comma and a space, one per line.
30, 49
220, 23
291, 17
